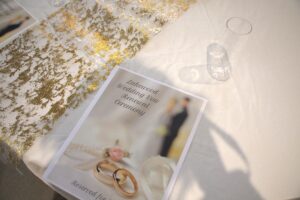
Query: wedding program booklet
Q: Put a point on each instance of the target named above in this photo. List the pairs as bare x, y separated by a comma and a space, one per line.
130, 142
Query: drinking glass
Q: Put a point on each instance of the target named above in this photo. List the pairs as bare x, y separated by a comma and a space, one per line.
218, 66
218, 62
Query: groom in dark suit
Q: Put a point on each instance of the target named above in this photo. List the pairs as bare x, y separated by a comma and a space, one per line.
176, 122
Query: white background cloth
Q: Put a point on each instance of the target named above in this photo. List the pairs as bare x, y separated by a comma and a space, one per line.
257, 109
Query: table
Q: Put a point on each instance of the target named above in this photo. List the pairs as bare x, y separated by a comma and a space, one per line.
247, 146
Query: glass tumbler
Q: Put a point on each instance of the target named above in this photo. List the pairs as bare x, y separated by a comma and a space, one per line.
218, 64
218, 61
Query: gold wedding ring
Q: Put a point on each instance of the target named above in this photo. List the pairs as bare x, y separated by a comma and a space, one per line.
119, 185
105, 165
119, 178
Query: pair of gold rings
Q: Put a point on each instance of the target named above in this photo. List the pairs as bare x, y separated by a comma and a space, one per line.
117, 179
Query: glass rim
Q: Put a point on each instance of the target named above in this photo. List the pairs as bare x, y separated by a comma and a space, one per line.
241, 20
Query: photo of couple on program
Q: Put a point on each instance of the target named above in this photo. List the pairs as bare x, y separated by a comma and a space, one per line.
130, 143
173, 123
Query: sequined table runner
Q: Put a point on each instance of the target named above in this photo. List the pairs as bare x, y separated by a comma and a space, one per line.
56, 64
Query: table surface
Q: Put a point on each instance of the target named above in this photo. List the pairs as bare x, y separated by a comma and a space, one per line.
247, 143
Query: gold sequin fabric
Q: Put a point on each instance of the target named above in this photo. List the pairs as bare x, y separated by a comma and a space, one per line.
55, 65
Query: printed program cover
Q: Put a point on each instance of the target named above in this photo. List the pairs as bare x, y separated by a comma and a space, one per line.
131, 141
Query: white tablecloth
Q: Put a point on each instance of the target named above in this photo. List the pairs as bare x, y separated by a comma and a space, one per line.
248, 143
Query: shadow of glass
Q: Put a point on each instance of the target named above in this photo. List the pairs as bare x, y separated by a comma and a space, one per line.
197, 74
